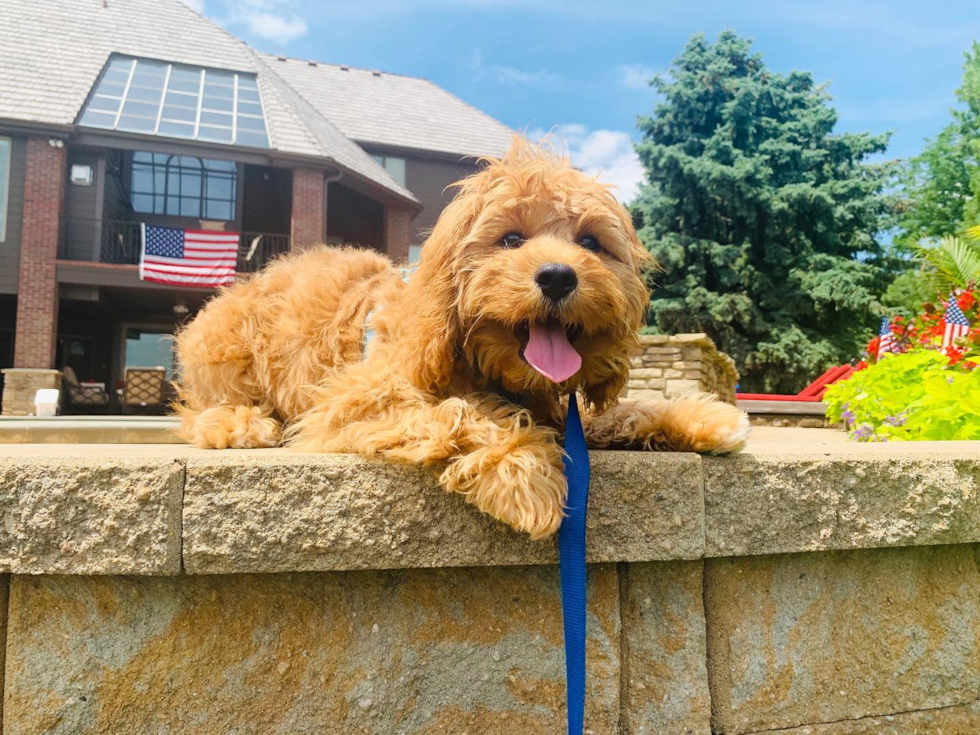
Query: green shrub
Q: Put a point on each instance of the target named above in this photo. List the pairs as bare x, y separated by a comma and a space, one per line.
914, 396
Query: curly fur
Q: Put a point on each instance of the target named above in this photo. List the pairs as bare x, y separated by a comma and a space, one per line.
278, 358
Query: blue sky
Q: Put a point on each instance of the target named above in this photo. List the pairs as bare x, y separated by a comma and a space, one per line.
580, 66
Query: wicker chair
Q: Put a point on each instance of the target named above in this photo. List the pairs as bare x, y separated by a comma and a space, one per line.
83, 397
144, 389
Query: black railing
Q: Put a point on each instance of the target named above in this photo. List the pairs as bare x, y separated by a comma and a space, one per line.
119, 241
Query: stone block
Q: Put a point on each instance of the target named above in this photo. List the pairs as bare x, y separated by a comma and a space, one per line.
687, 365
810, 638
693, 354
661, 352
646, 395
276, 512
21, 384
423, 651
868, 496
681, 386
633, 384
961, 719
647, 373
654, 339
665, 681
90, 516
673, 373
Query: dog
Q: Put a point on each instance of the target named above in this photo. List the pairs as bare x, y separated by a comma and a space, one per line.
531, 285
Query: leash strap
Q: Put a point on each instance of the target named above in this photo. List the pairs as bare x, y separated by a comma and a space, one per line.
571, 562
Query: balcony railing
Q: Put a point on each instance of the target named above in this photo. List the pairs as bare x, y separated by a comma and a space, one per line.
118, 241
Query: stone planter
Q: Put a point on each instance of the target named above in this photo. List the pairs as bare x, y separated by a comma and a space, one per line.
165, 589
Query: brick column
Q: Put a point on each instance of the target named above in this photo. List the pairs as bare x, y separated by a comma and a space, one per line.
37, 289
398, 232
309, 201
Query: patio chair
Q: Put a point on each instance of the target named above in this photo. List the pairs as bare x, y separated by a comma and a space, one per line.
144, 389
83, 397
813, 393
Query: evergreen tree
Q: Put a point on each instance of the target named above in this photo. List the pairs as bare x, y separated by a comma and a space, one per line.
764, 221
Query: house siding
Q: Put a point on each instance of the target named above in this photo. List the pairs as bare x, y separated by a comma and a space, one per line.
428, 179
10, 248
81, 229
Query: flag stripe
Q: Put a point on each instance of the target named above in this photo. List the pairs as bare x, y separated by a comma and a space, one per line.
188, 257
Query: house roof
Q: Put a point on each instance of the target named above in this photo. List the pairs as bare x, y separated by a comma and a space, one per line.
52, 51
378, 108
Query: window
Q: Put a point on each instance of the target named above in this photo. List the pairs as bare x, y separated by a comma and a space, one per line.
395, 166
184, 186
4, 185
177, 101
150, 348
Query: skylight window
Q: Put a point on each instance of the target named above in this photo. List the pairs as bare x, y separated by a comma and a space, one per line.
177, 101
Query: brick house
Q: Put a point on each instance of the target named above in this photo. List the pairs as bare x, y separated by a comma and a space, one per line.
107, 123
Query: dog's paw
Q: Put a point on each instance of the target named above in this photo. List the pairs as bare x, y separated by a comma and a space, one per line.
524, 487
732, 437
700, 423
231, 427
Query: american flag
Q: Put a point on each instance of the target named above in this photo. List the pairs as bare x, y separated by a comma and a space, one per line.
956, 324
886, 340
195, 258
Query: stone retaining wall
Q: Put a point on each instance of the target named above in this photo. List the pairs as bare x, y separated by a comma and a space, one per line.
166, 589
674, 365
21, 384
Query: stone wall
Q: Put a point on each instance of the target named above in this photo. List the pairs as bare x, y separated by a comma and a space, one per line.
20, 385
670, 366
167, 589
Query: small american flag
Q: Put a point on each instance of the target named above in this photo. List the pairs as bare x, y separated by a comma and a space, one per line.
956, 324
195, 258
886, 340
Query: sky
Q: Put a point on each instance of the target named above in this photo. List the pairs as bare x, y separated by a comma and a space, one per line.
580, 67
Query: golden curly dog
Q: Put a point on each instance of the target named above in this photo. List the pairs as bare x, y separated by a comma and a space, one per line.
529, 287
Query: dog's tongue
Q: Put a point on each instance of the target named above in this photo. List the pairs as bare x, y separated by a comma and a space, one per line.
550, 353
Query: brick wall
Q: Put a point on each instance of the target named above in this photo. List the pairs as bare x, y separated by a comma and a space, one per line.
37, 290
309, 199
672, 365
398, 233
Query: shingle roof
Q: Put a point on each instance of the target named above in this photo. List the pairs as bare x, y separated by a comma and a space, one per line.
51, 53
394, 110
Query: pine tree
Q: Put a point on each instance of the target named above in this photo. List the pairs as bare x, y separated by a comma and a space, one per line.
764, 221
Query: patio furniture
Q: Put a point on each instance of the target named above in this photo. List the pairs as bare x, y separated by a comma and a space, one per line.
83, 397
144, 390
813, 393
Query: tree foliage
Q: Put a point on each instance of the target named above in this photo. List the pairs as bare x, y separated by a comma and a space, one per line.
763, 219
942, 184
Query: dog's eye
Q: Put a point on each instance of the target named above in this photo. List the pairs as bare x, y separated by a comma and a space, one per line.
590, 243
512, 240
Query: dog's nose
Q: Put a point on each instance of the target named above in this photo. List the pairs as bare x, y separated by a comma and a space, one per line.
556, 280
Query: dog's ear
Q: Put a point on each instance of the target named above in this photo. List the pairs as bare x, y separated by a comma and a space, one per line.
430, 322
604, 393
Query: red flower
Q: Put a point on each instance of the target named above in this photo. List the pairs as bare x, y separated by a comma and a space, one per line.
872, 347
966, 300
860, 366
955, 355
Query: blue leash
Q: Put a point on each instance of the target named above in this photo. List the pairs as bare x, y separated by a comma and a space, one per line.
571, 562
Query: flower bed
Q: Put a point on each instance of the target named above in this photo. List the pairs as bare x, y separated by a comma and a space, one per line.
921, 391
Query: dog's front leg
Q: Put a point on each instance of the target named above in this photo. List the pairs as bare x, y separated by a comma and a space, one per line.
695, 423
497, 457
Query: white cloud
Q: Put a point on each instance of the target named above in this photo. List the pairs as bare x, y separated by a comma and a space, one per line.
636, 76
510, 75
273, 20
606, 154
276, 28
197, 5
